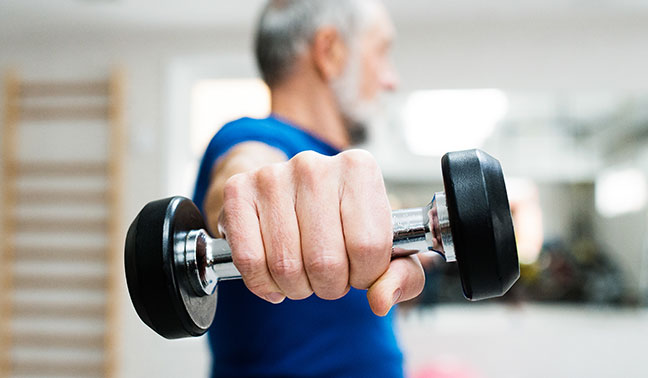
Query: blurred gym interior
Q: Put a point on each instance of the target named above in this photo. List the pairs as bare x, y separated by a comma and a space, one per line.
108, 104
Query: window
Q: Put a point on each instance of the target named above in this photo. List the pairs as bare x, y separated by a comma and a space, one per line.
216, 102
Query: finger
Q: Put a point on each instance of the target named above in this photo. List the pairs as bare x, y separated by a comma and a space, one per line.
280, 231
366, 218
318, 213
403, 280
241, 227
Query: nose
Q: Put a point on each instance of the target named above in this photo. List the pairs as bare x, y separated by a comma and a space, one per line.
389, 78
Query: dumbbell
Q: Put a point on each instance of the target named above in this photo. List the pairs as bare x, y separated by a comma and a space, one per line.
173, 266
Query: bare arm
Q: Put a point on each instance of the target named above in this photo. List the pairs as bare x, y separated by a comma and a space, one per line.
241, 158
311, 224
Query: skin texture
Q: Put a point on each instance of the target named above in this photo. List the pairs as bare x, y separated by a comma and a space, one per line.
315, 224
241, 158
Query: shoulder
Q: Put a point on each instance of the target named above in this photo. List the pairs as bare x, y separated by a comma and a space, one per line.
236, 136
253, 127
246, 129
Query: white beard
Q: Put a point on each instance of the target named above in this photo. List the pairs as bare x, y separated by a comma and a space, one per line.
357, 113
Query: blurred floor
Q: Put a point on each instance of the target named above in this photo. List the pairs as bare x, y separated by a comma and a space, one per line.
482, 340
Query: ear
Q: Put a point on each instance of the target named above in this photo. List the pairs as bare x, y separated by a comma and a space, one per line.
329, 53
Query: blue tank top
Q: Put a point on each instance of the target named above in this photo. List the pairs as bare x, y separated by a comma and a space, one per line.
312, 337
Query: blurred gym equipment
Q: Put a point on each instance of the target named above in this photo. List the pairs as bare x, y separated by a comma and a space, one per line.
62, 163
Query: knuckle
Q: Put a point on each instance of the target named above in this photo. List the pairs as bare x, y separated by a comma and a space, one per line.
370, 258
359, 160
234, 187
305, 156
367, 248
285, 267
311, 170
326, 266
269, 177
305, 164
329, 276
248, 264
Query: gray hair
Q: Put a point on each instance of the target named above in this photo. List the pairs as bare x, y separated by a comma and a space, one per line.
286, 28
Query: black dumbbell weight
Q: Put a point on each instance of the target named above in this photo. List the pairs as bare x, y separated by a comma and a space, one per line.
173, 266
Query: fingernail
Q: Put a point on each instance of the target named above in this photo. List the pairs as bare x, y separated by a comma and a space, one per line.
397, 295
275, 298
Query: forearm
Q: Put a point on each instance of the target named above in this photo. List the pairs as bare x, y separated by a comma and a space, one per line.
242, 158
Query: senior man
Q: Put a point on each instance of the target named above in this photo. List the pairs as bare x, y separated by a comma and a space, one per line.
308, 221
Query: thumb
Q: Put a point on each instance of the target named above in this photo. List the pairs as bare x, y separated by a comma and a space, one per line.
403, 280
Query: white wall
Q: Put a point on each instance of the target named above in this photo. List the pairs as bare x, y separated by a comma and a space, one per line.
566, 54
561, 52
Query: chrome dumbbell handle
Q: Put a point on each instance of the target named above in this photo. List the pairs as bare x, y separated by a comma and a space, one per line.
423, 229
207, 260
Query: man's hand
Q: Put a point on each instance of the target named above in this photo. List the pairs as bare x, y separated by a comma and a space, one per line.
317, 224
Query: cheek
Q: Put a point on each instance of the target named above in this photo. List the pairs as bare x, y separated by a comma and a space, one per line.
370, 84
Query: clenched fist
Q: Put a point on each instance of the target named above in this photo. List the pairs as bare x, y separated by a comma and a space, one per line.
316, 224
